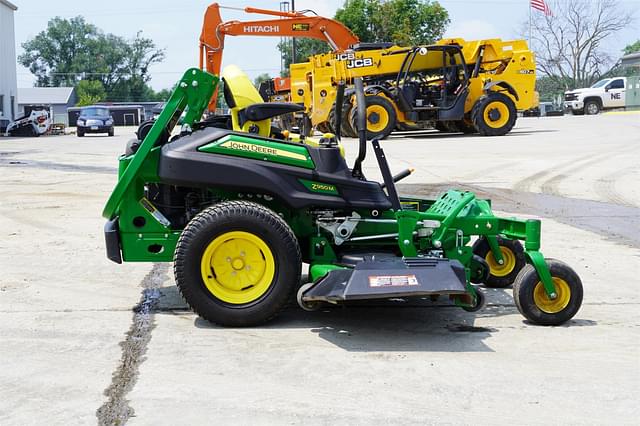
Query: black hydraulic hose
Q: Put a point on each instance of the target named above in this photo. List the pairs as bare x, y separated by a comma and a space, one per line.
362, 127
476, 68
337, 120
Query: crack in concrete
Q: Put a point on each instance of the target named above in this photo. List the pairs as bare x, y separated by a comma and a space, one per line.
116, 410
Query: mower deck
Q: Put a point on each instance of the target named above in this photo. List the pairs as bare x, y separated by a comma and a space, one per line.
384, 279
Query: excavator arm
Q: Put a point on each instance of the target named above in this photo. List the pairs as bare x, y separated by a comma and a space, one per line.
286, 24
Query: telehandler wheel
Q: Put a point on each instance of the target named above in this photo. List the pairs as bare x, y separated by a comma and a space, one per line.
237, 264
441, 126
501, 276
465, 127
494, 114
533, 302
381, 117
345, 126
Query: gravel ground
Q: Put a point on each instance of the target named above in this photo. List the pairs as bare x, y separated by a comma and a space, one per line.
84, 340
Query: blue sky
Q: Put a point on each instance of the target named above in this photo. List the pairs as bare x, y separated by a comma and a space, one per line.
175, 26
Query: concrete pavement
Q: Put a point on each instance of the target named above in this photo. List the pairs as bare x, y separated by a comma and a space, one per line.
85, 340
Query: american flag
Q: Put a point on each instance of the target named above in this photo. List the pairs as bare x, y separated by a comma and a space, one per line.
541, 6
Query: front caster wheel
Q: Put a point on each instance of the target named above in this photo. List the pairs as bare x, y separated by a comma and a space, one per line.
481, 300
307, 306
533, 302
501, 275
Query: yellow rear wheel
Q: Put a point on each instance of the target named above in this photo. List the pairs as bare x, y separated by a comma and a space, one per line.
237, 267
237, 263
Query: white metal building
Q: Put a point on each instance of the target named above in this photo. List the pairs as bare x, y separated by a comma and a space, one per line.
8, 78
56, 99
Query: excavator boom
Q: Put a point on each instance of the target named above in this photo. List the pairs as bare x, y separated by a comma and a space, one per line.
288, 24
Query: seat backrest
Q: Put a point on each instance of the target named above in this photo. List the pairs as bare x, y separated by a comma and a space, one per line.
239, 93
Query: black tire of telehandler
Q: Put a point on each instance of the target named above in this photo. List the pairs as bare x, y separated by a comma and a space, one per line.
391, 118
478, 116
441, 126
251, 218
524, 293
465, 127
516, 251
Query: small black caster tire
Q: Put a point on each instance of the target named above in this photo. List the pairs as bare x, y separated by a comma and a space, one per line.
481, 300
535, 305
307, 306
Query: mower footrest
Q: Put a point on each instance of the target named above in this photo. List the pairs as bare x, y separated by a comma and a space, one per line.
385, 279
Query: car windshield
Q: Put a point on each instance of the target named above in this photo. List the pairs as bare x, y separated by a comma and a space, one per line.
96, 112
601, 83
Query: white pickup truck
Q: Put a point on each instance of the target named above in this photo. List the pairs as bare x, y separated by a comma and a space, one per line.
605, 94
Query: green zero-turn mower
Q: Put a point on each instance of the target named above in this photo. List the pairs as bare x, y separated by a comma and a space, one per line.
238, 211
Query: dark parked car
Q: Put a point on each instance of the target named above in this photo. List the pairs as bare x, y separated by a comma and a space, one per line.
95, 119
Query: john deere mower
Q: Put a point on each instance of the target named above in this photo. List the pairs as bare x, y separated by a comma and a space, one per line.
238, 206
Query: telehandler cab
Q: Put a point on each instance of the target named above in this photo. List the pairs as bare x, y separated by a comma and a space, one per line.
239, 212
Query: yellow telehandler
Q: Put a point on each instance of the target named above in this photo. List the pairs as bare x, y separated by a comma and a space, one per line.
452, 85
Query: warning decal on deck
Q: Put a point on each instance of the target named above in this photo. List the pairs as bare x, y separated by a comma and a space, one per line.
392, 280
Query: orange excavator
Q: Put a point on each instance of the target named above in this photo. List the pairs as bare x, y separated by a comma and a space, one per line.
287, 24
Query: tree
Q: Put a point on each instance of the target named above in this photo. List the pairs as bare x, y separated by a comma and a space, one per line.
569, 43
403, 22
632, 48
259, 79
90, 92
305, 47
71, 50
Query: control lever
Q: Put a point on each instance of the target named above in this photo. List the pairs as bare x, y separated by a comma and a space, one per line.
403, 174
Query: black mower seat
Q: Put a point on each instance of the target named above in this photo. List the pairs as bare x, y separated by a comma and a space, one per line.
263, 111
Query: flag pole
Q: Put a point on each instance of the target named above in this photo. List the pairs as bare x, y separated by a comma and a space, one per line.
529, 25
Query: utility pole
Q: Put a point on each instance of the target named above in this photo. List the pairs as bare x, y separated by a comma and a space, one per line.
293, 39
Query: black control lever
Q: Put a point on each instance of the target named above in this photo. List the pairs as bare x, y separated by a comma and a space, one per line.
362, 128
403, 174
386, 175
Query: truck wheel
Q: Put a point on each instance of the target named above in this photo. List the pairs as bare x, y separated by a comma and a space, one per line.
80, 133
501, 276
591, 107
494, 114
237, 264
381, 117
111, 133
533, 302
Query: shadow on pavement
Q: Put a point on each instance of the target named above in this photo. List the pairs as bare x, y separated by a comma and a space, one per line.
391, 326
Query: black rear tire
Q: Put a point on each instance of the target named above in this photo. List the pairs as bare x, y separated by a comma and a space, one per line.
534, 304
221, 220
494, 114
